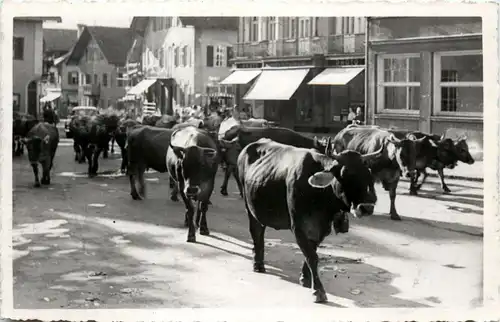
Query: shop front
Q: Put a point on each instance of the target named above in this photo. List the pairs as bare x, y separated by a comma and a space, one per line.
426, 74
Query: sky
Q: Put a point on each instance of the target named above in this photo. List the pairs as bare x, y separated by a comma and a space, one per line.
70, 22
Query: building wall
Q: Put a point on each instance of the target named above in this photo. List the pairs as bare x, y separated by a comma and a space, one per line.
426, 115
30, 68
70, 94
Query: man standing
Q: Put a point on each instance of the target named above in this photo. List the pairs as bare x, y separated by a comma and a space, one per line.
230, 122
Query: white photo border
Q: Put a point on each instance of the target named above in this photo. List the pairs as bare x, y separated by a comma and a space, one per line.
491, 52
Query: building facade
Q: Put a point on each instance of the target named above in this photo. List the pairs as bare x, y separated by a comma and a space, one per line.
93, 71
426, 74
187, 54
320, 61
27, 66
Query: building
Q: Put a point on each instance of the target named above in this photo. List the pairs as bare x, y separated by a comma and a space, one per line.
186, 54
92, 73
57, 43
27, 65
302, 72
426, 73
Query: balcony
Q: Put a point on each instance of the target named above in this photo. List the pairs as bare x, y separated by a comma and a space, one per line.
91, 89
342, 45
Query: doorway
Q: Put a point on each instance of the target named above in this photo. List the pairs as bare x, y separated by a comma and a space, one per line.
32, 99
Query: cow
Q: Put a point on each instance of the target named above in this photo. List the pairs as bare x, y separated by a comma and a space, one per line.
50, 116
121, 139
166, 121
300, 189
146, 148
446, 154
79, 125
21, 124
192, 162
238, 137
398, 157
41, 143
150, 119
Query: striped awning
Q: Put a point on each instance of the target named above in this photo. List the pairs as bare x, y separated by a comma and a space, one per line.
50, 97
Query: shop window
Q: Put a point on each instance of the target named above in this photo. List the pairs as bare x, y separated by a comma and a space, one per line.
18, 48
305, 108
458, 81
398, 83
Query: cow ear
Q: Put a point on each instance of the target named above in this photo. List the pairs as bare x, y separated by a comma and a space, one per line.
211, 153
321, 179
46, 139
179, 151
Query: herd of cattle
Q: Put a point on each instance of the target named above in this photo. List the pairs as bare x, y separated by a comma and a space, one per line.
287, 180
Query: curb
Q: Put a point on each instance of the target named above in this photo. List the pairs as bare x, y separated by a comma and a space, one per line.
458, 177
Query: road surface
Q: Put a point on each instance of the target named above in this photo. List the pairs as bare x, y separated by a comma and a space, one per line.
84, 243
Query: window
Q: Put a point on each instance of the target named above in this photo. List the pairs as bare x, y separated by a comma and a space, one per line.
398, 83
254, 29
219, 57
16, 102
161, 57
304, 27
73, 78
458, 81
229, 55
210, 56
88, 79
293, 28
305, 107
286, 27
120, 80
185, 56
271, 28
96, 79
18, 47
315, 27
105, 80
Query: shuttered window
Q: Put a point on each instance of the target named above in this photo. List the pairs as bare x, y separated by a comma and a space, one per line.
210, 56
229, 55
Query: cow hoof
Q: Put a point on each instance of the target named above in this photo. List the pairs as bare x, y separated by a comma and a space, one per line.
204, 231
305, 282
395, 217
259, 268
191, 239
45, 181
37, 185
123, 171
413, 193
320, 297
446, 190
209, 203
174, 198
135, 196
224, 193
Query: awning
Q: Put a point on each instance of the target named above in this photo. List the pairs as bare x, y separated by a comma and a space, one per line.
50, 97
336, 76
141, 87
240, 77
276, 84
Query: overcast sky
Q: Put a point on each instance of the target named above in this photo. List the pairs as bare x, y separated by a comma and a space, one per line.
71, 22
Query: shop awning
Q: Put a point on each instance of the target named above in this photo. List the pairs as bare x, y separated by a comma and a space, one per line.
50, 97
141, 87
336, 76
276, 84
240, 77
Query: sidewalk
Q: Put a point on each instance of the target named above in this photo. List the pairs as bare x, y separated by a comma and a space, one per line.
462, 171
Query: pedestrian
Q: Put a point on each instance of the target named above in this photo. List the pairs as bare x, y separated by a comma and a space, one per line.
360, 118
229, 122
351, 116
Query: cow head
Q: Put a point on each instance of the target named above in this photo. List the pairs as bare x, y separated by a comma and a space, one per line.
230, 150
446, 153
404, 151
196, 165
350, 177
37, 147
462, 150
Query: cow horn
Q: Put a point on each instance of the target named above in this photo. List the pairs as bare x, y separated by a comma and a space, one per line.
373, 155
393, 139
442, 137
328, 147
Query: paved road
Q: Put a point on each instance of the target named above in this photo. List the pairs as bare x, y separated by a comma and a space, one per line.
84, 243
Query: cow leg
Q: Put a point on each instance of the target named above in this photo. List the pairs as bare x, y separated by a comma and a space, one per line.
112, 145
202, 222
46, 173
141, 182
223, 187
392, 196
89, 152
189, 217
34, 165
95, 160
174, 193
305, 276
413, 183
443, 184
257, 232
308, 248
132, 172
425, 175
76, 149
123, 167
105, 151
238, 182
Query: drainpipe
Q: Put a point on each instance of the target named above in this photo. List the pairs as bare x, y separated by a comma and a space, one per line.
367, 83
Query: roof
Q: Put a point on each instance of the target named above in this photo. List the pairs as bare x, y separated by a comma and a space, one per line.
114, 43
38, 19
139, 24
59, 39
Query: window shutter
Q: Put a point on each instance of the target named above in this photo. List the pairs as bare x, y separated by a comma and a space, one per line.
229, 55
210, 56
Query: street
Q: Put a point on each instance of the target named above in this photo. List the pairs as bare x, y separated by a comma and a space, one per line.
84, 243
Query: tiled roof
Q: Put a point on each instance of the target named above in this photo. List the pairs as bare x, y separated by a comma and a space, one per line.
59, 39
224, 23
114, 42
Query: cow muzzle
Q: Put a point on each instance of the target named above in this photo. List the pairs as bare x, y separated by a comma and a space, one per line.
341, 225
364, 209
192, 192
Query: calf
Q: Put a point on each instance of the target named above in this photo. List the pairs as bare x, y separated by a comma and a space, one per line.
398, 157
41, 143
192, 163
285, 187
147, 147
238, 137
